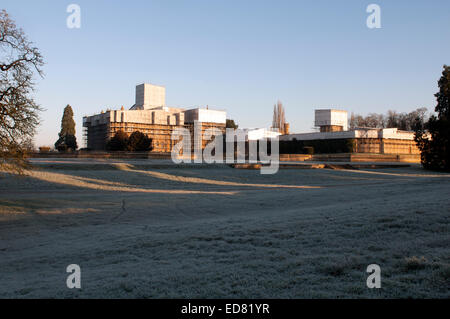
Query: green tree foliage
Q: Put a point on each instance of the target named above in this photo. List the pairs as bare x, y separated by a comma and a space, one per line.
19, 113
67, 122
136, 142
433, 137
66, 143
67, 140
118, 142
139, 142
230, 124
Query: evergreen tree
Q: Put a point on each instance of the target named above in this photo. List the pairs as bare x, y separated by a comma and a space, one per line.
67, 140
66, 143
433, 138
67, 122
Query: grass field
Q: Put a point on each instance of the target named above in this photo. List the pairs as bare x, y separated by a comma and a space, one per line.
148, 229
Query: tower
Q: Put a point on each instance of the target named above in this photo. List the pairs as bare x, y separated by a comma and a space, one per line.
331, 120
149, 96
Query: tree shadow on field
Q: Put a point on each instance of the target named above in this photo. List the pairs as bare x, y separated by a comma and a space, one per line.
104, 185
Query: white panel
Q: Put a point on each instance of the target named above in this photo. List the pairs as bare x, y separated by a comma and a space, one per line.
331, 117
212, 116
206, 116
260, 133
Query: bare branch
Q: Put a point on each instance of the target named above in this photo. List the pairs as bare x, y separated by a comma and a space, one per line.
19, 113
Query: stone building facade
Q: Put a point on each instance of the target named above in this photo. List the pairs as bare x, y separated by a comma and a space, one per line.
333, 127
150, 116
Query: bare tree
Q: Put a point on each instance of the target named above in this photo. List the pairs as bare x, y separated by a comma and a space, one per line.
19, 113
375, 120
392, 119
402, 121
356, 121
279, 120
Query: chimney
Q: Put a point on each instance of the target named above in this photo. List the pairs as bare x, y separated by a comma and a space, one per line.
286, 128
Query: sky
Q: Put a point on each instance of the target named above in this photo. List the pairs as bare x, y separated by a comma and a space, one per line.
241, 56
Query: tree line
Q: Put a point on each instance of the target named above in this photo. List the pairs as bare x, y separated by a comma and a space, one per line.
403, 121
136, 142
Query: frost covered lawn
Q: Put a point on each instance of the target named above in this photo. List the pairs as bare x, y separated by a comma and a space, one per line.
139, 230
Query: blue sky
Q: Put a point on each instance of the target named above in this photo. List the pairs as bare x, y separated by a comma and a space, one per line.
241, 56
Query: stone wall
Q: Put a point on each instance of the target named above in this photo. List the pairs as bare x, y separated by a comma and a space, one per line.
385, 146
98, 135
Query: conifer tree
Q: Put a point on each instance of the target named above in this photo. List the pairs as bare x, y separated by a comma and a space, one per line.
67, 122
67, 140
433, 138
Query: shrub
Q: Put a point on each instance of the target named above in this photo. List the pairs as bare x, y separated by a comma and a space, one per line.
136, 142
66, 143
230, 124
139, 142
119, 142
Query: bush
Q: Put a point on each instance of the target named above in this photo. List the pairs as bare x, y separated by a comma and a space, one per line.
66, 143
44, 149
139, 142
230, 124
119, 142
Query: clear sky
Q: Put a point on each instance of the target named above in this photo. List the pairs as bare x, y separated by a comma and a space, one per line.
240, 55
